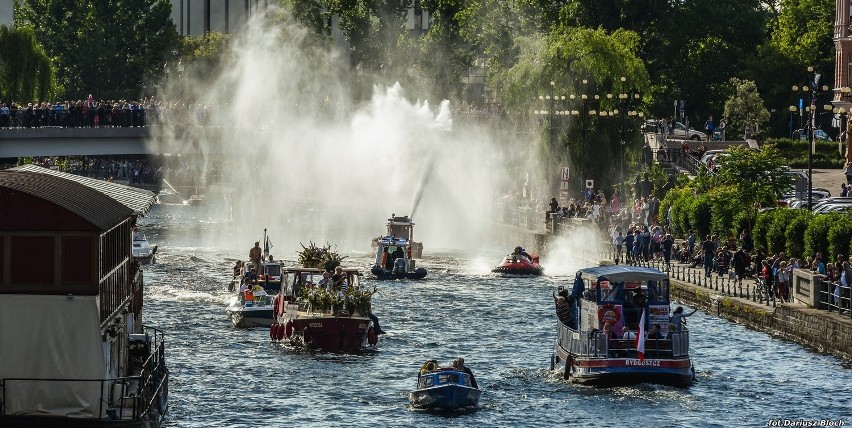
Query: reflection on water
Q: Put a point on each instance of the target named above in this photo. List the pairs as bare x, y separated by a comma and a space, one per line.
504, 327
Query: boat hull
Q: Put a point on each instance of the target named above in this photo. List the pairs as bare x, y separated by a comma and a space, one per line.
623, 371
448, 397
328, 333
247, 317
147, 257
384, 274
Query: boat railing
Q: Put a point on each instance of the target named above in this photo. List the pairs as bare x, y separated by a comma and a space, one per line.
121, 398
597, 344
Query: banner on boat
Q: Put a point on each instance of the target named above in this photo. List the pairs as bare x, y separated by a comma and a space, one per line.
659, 314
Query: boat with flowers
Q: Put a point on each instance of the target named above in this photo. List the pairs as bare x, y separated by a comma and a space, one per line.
394, 261
330, 313
592, 345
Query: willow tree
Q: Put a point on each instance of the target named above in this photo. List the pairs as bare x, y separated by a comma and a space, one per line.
567, 57
27, 72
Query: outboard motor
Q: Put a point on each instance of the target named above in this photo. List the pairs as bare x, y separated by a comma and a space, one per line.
399, 267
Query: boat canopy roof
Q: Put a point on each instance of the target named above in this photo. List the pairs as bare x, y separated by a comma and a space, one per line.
294, 269
622, 273
392, 240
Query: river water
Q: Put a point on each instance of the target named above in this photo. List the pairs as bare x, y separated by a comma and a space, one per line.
503, 327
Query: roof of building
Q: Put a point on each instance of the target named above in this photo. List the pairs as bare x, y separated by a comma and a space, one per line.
138, 200
87, 202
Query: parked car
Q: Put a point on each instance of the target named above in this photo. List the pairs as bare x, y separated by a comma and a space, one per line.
819, 135
681, 132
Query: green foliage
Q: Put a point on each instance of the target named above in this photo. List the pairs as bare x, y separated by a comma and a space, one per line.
776, 234
761, 227
319, 257
759, 176
795, 233
26, 72
322, 299
678, 200
839, 237
816, 235
724, 208
108, 47
803, 33
700, 212
827, 154
744, 109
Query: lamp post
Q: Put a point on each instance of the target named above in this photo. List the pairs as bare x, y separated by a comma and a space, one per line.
813, 90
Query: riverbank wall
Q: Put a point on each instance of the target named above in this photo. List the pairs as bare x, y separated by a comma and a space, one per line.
817, 329
823, 331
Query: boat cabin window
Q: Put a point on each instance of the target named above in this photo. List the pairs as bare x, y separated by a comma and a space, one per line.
658, 292
609, 292
448, 378
400, 231
466, 379
273, 269
426, 381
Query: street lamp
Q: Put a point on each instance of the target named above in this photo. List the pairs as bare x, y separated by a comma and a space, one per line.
813, 90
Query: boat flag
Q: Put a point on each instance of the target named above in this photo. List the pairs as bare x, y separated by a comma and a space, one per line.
640, 338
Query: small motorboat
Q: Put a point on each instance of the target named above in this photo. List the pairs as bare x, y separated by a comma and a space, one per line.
446, 388
143, 251
394, 261
251, 309
519, 263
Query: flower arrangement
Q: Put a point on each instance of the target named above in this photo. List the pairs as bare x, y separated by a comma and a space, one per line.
321, 300
319, 257
359, 300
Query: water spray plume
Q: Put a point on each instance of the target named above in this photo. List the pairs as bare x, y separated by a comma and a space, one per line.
292, 153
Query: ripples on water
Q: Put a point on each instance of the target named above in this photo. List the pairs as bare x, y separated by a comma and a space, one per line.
504, 327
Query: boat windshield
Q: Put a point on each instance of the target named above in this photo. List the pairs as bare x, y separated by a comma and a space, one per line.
448, 378
272, 269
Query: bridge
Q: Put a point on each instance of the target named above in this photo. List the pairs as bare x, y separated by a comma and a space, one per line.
146, 140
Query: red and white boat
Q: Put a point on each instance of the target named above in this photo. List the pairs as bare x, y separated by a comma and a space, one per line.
519, 263
608, 299
315, 316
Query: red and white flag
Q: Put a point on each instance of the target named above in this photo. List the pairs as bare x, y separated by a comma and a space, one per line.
640, 338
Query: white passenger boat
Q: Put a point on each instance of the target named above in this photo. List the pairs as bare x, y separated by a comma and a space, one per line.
590, 346
143, 251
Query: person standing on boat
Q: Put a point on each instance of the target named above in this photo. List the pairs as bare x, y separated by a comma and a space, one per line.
325, 282
679, 318
459, 365
255, 255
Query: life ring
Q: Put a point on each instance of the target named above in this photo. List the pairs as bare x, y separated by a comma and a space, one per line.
372, 337
288, 329
609, 313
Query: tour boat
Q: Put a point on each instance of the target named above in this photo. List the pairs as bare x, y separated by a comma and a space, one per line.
143, 251
402, 227
308, 314
393, 260
73, 348
608, 298
519, 264
444, 389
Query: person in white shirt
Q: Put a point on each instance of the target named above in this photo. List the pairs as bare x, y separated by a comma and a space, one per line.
627, 334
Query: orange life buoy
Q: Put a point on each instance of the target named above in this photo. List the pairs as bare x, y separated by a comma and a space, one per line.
372, 337
609, 313
288, 329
